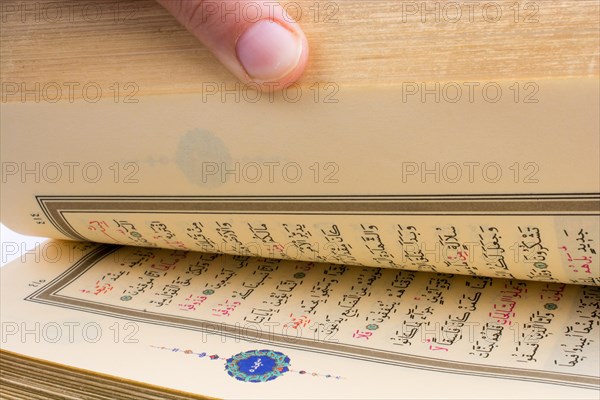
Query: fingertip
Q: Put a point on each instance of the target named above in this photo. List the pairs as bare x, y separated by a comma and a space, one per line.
272, 53
298, 71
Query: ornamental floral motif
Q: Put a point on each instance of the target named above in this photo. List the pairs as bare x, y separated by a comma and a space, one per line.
257, 365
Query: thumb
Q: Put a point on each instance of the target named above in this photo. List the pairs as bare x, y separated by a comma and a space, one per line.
254, 39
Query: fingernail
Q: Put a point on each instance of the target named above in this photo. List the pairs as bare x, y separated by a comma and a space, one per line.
268, 51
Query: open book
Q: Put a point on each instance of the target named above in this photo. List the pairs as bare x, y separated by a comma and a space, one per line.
417, 232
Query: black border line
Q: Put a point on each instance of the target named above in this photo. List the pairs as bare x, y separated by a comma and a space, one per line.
45, 203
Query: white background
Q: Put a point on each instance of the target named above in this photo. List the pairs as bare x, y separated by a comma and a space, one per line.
15, 244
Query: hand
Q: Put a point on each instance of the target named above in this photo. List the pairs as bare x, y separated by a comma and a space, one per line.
255, 39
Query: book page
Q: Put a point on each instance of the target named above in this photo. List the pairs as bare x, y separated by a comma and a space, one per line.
374, 232
232, 326
379, 177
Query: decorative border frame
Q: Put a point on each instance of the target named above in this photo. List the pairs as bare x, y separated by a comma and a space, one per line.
575, 204
48, 294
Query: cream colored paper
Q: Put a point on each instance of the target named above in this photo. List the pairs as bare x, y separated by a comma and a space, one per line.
505, 188
137, 313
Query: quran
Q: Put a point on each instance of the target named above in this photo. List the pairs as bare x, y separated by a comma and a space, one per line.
417, 217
